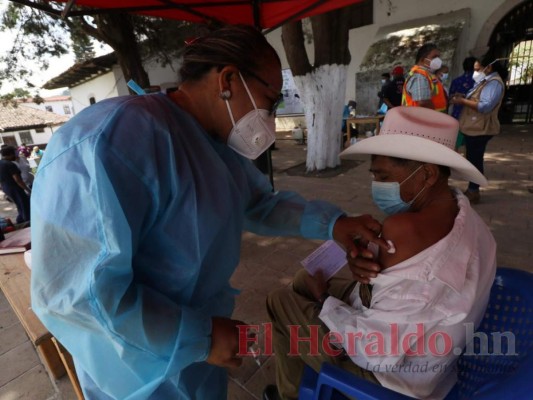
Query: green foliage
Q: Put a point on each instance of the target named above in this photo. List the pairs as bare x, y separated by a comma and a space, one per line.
21, 93
162, 39
14, 97
40, 36
37, 99
81, 43
521, 63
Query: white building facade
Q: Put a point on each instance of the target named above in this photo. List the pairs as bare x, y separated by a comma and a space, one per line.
102, 78
460, 28
403, 23
30, 136
61, 105
27, 125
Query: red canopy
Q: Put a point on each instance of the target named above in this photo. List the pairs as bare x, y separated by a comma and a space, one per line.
260, 13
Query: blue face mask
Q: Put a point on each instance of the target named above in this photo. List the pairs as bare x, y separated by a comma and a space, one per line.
386, 196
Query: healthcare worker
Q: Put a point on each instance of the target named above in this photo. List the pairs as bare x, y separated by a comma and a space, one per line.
137, 214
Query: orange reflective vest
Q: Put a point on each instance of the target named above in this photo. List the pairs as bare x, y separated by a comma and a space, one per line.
438, 95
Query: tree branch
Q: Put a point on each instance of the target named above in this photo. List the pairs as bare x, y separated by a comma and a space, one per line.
293, 40
87, 28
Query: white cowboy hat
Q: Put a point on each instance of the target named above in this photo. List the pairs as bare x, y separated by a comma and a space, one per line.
419, 134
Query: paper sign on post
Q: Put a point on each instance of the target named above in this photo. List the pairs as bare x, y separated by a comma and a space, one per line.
328, 258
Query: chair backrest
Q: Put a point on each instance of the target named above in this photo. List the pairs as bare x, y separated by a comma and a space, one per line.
499, 362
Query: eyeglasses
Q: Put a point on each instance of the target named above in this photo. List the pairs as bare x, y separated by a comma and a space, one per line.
279, 97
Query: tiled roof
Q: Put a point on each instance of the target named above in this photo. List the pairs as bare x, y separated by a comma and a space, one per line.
82, 72
49, 99
16, 118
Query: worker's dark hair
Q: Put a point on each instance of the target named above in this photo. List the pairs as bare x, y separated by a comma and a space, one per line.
497, 66
468, 64
424, 51
240, 45
7, 151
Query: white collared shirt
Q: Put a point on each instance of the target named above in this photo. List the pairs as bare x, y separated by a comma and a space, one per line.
438, 296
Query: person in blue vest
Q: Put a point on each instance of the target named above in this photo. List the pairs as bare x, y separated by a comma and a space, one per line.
461, 86
348, 112
137, 215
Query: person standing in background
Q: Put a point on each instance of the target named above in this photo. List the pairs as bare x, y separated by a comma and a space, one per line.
24, 150
348, 112
479, 117
460, 86
393, 91
37, 152
25, 169
385, 80
13, 185
422, 88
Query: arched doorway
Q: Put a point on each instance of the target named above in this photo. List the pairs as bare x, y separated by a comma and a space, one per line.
512, 40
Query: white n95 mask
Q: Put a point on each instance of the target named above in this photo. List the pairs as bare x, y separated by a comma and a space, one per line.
478, 76
254, 133
435, 64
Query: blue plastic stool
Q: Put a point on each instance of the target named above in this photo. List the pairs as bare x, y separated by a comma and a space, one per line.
497, 377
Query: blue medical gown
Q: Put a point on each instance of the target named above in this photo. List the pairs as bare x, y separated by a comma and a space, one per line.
137, 216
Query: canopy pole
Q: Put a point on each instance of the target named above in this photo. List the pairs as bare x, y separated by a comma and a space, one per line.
256, 6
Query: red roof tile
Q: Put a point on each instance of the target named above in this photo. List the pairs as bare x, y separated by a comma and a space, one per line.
14, 118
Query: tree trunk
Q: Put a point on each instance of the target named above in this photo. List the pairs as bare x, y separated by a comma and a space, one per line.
117, 31
293, 40
322, 86
322, 92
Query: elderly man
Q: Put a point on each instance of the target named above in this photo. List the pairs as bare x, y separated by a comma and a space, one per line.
403, 330
422, 88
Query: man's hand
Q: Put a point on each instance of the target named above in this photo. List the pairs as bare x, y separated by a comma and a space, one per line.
457, 98
224, 343
316, 284
354, 233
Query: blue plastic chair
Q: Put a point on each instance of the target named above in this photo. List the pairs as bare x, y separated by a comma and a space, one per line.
497, 377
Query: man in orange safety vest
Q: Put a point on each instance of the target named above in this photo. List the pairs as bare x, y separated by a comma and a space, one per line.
422, 88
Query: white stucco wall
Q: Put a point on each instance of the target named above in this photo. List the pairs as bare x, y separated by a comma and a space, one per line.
406, 10
58, 107
113, 84
37, 137
484, 15
165, 77
44, 137
103, 87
